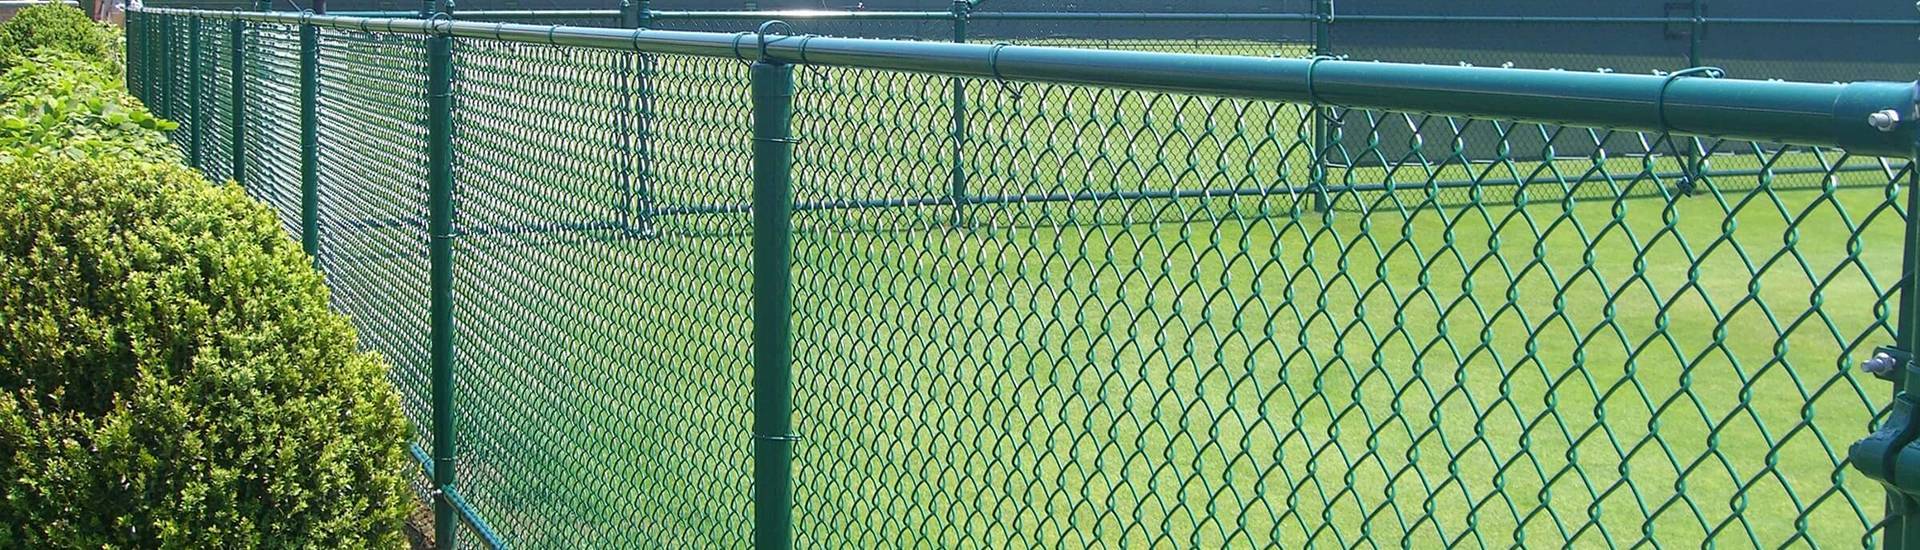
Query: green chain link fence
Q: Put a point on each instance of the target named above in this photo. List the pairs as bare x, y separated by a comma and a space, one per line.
641, 290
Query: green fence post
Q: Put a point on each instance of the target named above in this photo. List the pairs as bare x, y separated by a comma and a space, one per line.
1696, 26
631, 14
1903, 518
130, 54
167, 52
195, 96
310, 141
635, 69
237, 107
156, 77
1692, 159
440, 285
643, 15
1322, 46
772, 305
958, 184
163, 63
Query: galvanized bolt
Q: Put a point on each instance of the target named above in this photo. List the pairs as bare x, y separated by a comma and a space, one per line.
1884, 120
1881, 363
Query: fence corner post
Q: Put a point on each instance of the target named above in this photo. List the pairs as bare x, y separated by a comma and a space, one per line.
773, 437
440, 235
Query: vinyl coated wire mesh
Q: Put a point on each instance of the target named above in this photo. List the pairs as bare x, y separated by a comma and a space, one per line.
271, 83
622, 341
1141, 319
372, 198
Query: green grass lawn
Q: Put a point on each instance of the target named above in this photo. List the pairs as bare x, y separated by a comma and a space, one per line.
1592, 360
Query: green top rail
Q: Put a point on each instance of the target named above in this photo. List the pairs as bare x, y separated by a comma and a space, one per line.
1865, 118
531, 15
881, 15
1244, 17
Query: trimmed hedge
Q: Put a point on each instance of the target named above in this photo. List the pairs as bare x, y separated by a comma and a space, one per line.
170, 373
171, 376
58, 27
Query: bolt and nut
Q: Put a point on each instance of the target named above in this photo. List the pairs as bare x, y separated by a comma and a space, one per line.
1884, 120
1881, 363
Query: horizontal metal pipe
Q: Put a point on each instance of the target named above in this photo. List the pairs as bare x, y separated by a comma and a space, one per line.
659, 15
1229, 17
1830, 115
1139, 17
1369, 18
485, 15
1233, 16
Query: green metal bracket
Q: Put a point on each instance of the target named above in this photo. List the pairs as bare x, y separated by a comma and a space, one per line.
773, 437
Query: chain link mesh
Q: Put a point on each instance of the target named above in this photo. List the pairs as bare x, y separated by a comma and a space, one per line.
272, 119
372, 195
216, 100
1592, 359
1130, 318
602, 350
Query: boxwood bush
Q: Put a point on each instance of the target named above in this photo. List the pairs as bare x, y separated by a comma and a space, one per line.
58, 27
170, 373
171, 376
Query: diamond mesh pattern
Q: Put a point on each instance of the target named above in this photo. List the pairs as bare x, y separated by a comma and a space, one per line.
272, 147
1149, 319
216, 100
373, 239
586, 327
1596, 360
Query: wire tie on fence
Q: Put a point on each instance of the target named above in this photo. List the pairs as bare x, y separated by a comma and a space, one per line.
790, 438
736, 47
1313, 94
768, 27
1660, 103
803, 50
993, 68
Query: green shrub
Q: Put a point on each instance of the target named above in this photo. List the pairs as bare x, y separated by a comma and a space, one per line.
59, 103
58, 27
171, 375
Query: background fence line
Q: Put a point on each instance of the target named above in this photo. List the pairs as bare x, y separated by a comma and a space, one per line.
1825, 132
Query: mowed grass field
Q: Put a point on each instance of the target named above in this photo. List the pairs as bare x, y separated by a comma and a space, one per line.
1484, 365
